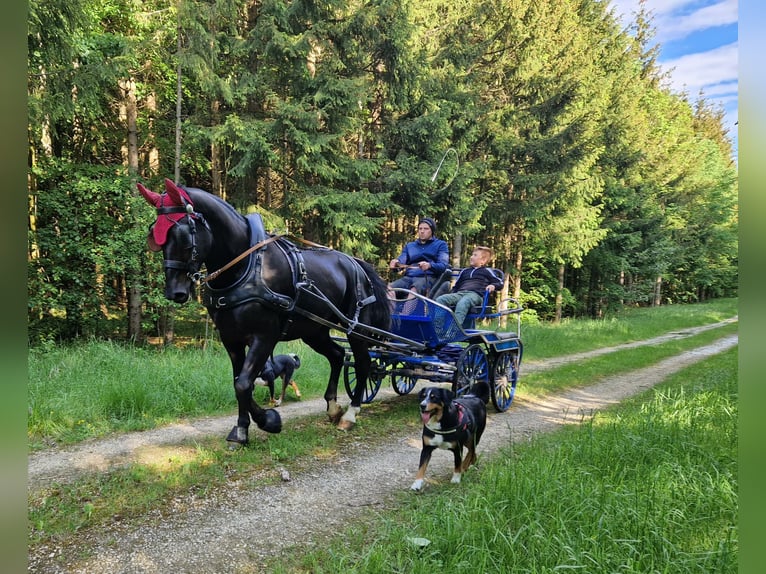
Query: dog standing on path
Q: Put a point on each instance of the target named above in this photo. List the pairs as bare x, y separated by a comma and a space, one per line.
279, 366
452, 424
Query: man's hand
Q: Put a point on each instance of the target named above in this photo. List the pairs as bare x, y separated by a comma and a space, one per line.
424, 265
394, 264
490, 288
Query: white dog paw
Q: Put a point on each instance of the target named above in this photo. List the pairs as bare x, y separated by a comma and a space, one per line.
456, 478
417, 485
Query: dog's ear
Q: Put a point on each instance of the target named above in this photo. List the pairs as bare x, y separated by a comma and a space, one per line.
449, 396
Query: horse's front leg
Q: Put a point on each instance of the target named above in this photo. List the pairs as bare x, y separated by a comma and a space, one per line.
237, 354
267, 420
362, 364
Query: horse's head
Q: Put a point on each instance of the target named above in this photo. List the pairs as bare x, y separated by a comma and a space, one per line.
182, 235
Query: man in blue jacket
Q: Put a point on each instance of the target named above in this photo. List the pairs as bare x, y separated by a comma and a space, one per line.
424, 259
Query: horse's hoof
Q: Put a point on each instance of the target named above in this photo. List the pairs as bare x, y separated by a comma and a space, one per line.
345, 425
238, 435
271, 422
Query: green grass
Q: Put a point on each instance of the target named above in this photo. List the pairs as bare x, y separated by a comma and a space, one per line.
98, 388
587, 372
632, 324
648, 486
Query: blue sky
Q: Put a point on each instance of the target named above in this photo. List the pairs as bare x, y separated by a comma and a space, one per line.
699, 46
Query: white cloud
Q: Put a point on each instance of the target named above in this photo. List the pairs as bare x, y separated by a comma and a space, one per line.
673, 26
713, 69
676, 19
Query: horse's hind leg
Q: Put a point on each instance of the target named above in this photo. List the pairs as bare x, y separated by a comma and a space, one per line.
334, 353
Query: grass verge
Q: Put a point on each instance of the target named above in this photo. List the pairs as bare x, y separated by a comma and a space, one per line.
647, 486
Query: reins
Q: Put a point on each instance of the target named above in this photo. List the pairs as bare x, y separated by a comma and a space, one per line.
198, 279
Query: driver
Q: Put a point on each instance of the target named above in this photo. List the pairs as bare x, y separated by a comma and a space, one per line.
424, 259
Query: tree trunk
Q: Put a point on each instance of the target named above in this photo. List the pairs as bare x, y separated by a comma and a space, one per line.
657, 292
131, 157
457, 247
517, 261
167, 322
216, 165
559, 293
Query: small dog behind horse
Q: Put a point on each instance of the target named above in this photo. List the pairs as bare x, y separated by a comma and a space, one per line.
452, 424
280, 366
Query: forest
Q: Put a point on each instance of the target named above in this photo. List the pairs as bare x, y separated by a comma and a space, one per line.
545, 130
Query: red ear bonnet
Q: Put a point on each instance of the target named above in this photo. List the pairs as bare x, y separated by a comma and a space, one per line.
174, 197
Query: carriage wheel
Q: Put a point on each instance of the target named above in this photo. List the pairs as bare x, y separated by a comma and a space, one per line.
402, 384
505, 374
471, 367
374, 379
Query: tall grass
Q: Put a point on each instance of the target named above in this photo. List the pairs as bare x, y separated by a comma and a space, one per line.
570, 336
648, 486
100, 387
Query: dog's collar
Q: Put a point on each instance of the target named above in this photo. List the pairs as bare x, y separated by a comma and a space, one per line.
461, 422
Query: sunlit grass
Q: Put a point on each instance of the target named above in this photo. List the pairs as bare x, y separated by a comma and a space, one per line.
93, 389
648, 486
588, 371
632, 324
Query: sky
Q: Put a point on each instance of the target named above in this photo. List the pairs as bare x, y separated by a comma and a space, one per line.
699, 46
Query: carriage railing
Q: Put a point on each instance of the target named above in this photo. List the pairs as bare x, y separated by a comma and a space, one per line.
417, 317
504, 307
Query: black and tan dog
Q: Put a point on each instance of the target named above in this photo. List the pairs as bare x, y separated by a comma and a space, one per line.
452, 424
279, 366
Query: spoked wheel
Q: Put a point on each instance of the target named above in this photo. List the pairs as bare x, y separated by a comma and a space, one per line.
471, 367
402, 384
505, 374
374, 379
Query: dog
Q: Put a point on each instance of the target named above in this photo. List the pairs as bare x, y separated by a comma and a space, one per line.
452, 424
280, 366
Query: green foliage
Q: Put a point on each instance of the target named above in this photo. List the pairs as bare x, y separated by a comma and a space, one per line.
333, 117
91, 234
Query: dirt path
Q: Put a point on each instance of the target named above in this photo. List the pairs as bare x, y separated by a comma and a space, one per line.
235, 534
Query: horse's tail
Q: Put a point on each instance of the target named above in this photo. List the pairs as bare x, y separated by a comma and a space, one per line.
380, 311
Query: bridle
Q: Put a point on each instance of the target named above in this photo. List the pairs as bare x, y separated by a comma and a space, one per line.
192, 267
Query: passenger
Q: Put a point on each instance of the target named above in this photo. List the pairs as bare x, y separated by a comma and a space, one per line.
471, 284
423, 259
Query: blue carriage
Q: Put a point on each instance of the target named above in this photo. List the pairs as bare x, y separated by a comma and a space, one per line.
427, 343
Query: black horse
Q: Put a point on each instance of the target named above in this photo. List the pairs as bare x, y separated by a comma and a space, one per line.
263, 290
